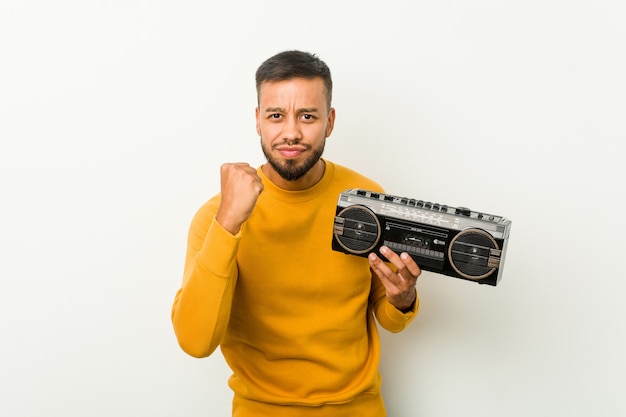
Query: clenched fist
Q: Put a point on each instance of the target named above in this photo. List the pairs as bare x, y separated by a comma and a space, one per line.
240, 189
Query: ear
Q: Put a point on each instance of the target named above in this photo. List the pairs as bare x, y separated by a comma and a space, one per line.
258, 121
331, 121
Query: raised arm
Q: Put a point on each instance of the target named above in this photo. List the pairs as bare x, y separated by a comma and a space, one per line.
202, 305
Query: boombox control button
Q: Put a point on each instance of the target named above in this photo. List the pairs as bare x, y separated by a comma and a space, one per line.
463, 211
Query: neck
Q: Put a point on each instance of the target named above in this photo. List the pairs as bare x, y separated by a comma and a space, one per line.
312, 177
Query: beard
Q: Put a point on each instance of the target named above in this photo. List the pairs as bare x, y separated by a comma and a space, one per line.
291, 170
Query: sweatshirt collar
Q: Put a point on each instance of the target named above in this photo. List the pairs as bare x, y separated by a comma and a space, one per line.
300, 195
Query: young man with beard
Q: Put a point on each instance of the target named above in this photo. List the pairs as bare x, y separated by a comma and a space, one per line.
294, 319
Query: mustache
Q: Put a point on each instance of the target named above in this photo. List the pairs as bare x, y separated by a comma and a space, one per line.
294, 142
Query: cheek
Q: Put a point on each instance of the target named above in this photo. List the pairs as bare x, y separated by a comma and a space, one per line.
268, 131
317, 132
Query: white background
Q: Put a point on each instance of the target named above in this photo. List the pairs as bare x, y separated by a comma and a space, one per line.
116, 115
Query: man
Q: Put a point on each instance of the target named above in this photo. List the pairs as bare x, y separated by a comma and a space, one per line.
294, 319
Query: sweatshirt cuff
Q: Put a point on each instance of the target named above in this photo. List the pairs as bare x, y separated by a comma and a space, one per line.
398, 316
219, 250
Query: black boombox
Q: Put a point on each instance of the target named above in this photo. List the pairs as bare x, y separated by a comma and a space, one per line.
453, 241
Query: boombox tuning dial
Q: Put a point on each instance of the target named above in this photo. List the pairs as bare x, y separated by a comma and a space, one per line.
427, 205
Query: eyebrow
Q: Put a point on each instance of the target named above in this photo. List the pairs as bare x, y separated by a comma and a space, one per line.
282, 110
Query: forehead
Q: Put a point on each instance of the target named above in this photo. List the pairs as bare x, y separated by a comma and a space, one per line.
295, 90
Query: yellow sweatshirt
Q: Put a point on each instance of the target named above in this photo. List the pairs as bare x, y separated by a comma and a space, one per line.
294, 319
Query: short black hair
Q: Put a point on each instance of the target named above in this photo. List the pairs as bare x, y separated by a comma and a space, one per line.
294, 64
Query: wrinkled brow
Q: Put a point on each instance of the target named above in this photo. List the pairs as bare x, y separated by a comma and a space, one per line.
282, 110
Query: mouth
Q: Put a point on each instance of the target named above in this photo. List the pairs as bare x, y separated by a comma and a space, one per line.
290, 151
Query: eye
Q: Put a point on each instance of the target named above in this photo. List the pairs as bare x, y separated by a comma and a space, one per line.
308, 117
275, 116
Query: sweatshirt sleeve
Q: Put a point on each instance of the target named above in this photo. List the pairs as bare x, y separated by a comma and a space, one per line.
202, 305
389, 317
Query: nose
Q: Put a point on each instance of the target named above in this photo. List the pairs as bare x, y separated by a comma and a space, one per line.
291, 130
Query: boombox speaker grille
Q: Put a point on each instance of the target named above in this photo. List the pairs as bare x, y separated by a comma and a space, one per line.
474, 253
357, 229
